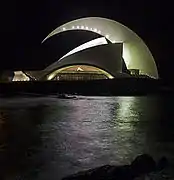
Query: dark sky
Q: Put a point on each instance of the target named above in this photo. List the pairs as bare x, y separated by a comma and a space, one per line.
24, 24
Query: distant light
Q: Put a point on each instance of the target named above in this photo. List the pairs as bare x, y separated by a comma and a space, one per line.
78, 27
73, 27
107, 36
91, 29
64, 28
99, 32
95, 30
82, 27
51, 76
113, 41
86, 27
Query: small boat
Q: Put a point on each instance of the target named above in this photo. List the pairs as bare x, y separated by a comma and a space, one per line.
66, 96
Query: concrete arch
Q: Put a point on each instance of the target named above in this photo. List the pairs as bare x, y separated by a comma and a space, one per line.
135, 52
54, 73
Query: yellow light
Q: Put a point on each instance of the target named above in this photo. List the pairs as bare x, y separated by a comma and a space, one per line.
79, 69
64, 28
20, 76
73, 27
53, 74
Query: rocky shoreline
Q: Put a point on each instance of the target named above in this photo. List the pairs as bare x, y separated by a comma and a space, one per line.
143, 167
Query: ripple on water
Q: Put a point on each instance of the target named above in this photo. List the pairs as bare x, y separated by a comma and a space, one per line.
49, 138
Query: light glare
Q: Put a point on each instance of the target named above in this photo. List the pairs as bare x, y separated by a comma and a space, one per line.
95, 30
51, 76
107, 36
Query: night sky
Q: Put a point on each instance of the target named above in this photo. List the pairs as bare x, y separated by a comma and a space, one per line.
24, 24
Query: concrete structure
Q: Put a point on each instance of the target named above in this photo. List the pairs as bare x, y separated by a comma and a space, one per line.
117, 46
20, 76
135, 52
106, 57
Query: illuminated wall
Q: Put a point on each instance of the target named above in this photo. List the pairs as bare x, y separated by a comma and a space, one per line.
80, 69
135, 52
20, 76
84, 68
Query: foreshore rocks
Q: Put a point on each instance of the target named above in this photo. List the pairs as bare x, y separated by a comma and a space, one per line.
141, 166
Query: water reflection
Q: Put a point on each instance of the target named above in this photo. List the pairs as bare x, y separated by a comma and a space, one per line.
48, 138
124, 130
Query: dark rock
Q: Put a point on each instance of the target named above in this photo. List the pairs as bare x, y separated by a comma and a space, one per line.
106, 172
143, 164
162, 163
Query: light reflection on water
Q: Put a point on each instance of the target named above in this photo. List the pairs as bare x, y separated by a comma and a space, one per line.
48, 138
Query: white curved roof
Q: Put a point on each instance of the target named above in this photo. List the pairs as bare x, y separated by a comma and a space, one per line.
89, 44
135, 52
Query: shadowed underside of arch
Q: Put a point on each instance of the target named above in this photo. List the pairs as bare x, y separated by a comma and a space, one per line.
107, 57
135, 52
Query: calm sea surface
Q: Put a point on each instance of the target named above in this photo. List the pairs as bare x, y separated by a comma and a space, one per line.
47, 138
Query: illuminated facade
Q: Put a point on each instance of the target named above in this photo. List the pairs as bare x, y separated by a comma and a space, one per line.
80, 72
118, 44
20, 76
